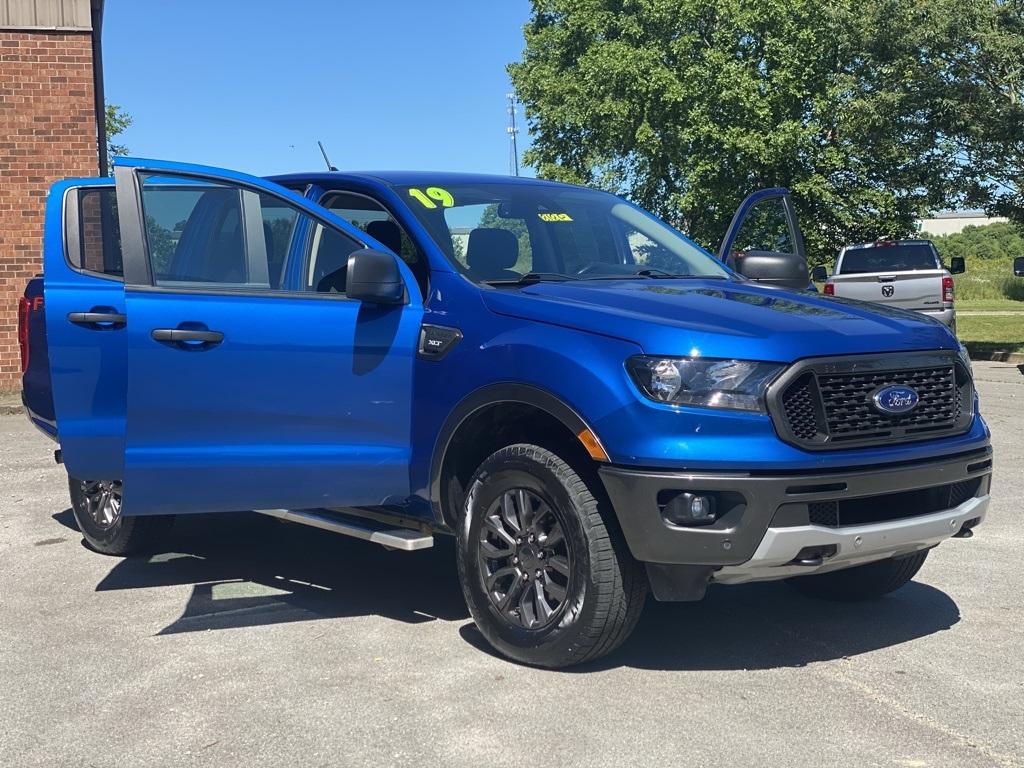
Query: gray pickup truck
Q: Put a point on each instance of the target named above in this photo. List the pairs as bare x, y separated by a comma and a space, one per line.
908, 274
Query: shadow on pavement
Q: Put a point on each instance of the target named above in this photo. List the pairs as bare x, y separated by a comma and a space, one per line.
248, 570
769, 625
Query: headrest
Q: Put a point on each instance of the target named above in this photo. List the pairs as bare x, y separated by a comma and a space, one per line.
491, 249
386, 233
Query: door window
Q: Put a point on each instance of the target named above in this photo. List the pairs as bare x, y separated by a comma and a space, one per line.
328, 260
211, 235
99, 233
765, 228
371, 217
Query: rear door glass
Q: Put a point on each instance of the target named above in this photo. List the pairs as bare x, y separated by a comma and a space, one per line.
99, 233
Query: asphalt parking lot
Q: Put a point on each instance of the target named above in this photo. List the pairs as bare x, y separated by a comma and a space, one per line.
260, 643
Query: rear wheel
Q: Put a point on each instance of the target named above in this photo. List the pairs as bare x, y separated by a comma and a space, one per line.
548, 580
97, 508
862, 582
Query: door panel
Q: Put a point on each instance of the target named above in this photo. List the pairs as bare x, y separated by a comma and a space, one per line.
245, 391
85, 326
304, 403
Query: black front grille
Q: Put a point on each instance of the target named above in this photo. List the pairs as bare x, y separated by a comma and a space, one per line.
892, 506
803, 410
849, 410
829, 403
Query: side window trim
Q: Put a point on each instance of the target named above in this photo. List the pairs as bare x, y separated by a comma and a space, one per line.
257, 259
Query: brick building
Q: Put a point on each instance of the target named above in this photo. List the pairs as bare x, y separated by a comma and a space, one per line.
50, 99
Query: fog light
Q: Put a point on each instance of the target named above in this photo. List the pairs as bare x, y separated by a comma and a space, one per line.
690, 509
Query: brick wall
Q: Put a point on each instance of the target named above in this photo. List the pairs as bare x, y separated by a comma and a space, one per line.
47, 132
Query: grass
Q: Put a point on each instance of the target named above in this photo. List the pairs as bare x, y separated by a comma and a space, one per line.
1003, 333
991, 280
989, 305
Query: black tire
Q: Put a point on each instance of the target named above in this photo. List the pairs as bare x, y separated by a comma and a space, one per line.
120, 535
862, 582
604, 589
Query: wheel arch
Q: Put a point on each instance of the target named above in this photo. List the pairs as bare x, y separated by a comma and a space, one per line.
520, 408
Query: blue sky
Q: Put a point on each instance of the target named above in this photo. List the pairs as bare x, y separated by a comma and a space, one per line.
252, 84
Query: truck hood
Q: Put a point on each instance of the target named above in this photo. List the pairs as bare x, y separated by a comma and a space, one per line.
716, 318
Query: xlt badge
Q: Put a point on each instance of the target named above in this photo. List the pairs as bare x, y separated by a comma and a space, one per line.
436, 341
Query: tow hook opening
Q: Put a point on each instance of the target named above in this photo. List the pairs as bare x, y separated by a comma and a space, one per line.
815, 556
966, 531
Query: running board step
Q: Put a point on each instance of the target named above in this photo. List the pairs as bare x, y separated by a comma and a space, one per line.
406, 539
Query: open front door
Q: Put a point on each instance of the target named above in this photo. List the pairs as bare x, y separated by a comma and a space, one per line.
764, 243
86, 335
254, 381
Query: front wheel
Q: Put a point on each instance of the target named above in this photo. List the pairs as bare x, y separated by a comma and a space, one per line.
97, 508
547, 578
862, 582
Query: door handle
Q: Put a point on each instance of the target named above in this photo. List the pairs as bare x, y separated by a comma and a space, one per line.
187, 336
97, 318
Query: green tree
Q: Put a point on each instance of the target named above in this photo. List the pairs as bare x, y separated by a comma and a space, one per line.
983, 103
117, 122
992, 242
686, 106
162, 243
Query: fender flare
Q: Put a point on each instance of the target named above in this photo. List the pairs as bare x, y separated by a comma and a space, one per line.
495, 394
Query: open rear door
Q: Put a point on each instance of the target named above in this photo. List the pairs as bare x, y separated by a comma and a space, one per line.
83, 291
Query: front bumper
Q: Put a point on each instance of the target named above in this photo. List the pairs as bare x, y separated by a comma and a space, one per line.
770, 516
855, 545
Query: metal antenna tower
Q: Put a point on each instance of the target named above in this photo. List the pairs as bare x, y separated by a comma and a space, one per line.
513, 130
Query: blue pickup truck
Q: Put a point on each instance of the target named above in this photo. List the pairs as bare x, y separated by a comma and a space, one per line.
593, 405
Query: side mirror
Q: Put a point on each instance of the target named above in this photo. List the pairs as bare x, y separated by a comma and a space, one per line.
1018, 266
374, 277
819, 274
785, 270
957, 266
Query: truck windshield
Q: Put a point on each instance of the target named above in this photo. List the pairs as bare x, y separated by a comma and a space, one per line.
499, 233
888, 258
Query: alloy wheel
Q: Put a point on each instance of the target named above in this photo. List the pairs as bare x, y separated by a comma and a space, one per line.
102, 501
524, 558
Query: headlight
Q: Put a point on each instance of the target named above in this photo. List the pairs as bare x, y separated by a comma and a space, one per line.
734, 384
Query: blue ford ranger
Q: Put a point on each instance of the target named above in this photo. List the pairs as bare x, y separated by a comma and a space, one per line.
594, 406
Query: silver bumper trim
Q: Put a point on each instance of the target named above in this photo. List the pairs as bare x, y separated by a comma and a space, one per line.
856, 545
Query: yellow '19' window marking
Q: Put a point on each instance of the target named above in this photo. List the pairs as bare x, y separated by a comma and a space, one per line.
432, 197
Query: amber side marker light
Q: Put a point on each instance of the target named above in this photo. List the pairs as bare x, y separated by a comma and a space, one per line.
593, 445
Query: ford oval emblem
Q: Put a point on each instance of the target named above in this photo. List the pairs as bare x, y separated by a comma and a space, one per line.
895, 399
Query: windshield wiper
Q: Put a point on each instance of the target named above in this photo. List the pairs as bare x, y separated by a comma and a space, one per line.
657, 274
533, 277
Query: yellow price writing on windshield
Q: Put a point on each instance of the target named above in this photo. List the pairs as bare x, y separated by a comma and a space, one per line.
433, 196
554, 217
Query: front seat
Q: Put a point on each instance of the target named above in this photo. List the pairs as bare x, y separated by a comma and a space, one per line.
491, 252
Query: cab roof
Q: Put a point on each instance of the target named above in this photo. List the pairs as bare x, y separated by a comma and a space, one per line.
408, 178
